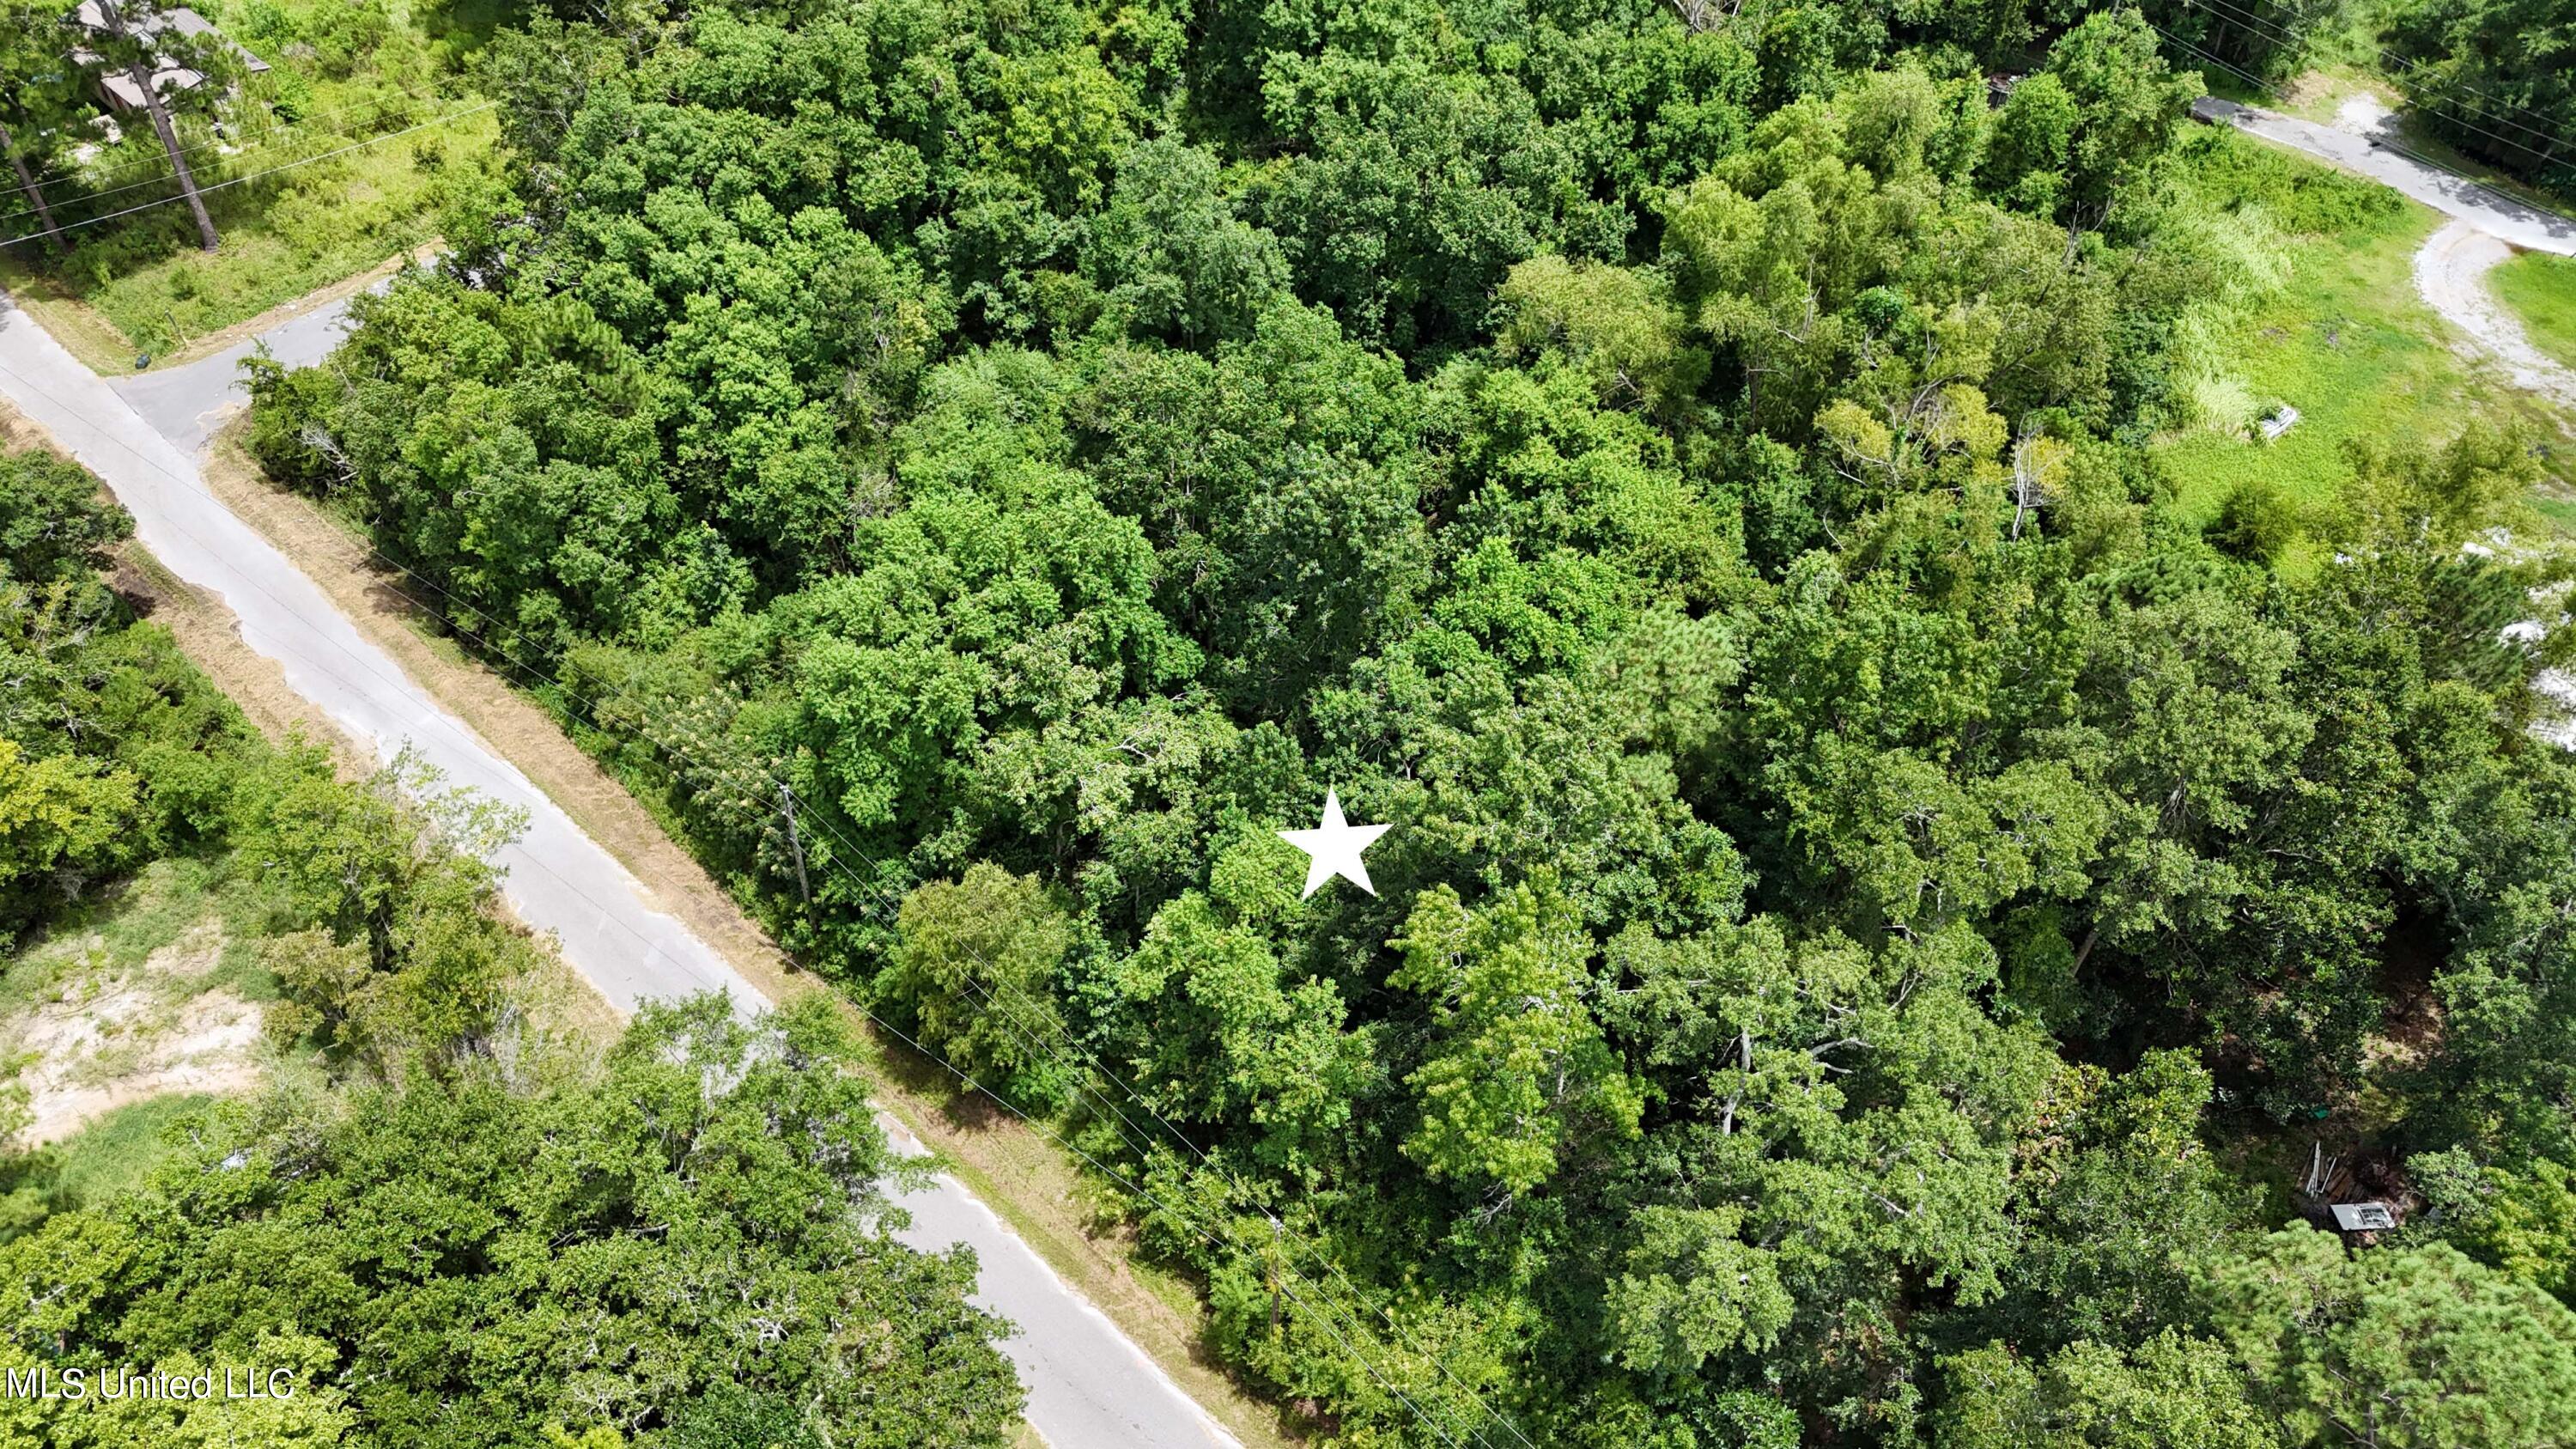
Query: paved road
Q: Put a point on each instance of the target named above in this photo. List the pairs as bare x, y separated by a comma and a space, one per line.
187, 404
2453, 195
1089, 1386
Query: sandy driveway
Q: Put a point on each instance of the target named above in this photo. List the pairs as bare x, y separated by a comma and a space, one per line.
2451, 274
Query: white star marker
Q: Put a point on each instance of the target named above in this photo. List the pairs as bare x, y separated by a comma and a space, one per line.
1335, 848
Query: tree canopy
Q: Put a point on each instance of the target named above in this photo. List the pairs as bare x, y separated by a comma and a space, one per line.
441, 1223
1877, 895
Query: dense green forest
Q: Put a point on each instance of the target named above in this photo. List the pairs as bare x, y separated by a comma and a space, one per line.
446, 1228
1880, 909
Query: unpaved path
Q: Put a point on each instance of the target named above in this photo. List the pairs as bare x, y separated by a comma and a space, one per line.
2487, 227
2451, 273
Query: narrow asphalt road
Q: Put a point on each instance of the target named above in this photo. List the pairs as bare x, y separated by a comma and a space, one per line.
2362, 148
1090, 1387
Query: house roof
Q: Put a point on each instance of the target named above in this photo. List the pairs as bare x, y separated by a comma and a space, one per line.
167, 76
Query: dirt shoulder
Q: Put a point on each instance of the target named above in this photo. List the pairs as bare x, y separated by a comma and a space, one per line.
1030, 1182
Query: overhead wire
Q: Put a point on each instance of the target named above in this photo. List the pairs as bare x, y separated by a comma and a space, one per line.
2546, 157
168, 179
1322, 1319
257, 175
2454, 84
160, 155
437, 716
2269, 89
885, 898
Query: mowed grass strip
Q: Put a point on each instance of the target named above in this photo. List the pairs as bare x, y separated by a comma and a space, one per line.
139, 285
2541, 290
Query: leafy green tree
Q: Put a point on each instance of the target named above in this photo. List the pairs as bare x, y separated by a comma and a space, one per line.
401, 956
1222, 1035
2407, 1347
706, 1205
1693, 1288
38, 98
60, 816
1171, 256
1861, 852
54, 521
2521, 1223
2127, 102
976, 967
2172, 1392
136, 40
2034, 143
1618, 326
1518, 1072
2466, 65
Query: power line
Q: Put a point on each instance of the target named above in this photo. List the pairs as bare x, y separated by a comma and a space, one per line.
163, 156
2269, 89
1320, 1318
2287, 40
249, 135
439, 716
1142, 1140
256, 175
2458, 83
1141, 1143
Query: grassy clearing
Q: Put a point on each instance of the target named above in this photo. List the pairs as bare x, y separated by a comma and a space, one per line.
149, 989
114, 1154
340, 156
118, 932
2328, 321
152, 292
2541, 290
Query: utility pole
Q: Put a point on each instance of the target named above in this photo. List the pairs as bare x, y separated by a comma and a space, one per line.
787, 806
34, 193
140, 57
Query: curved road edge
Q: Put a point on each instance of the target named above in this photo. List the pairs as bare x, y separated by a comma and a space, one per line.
2486, 227
1089, 1385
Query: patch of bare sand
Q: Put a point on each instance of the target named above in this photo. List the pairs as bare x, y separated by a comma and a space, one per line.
1030, 1182
110, 1040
